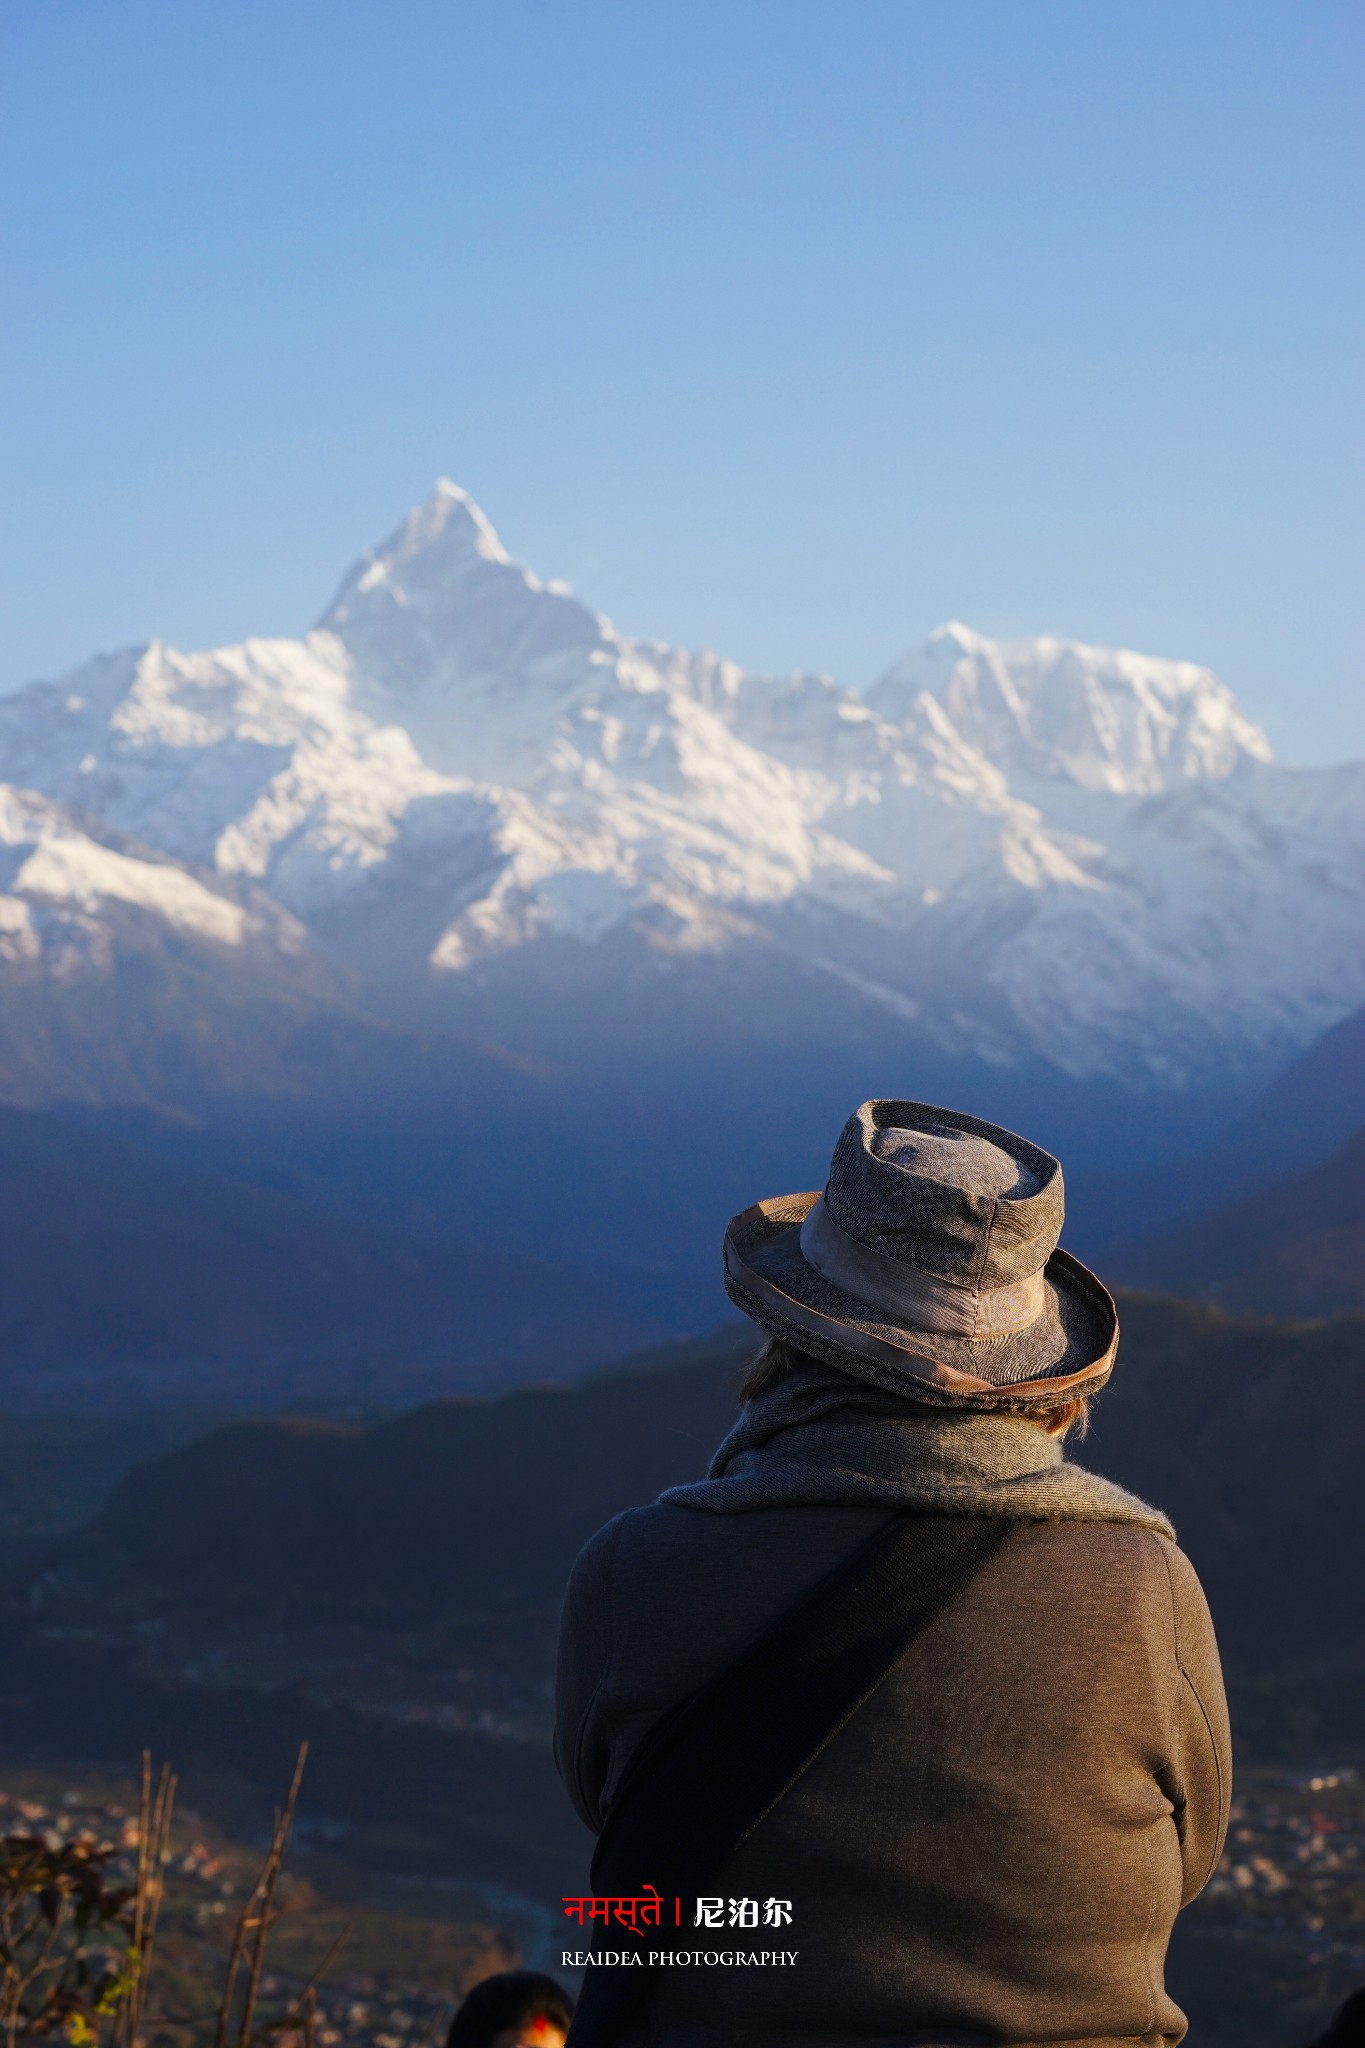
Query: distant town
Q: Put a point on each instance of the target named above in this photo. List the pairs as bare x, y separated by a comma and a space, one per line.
392, 1981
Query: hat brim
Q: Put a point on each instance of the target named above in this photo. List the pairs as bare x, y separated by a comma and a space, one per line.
1069, 1349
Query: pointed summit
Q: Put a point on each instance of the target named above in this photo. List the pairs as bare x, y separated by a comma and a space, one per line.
445, 635
443, 593
449, 516
441, 538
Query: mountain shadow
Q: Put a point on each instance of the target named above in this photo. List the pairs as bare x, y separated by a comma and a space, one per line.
131, 1279
1298, 1249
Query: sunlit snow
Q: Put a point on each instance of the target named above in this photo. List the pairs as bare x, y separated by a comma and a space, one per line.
1092, 848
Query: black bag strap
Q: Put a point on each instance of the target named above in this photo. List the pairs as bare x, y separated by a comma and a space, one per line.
711, 1771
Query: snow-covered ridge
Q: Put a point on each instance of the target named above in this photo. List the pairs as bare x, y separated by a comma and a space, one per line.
60, 883
1102, 717
1091, 849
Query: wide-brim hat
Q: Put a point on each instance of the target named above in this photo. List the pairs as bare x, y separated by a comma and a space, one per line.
929, 1265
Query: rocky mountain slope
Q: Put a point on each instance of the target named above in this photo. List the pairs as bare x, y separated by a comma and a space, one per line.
1020, 851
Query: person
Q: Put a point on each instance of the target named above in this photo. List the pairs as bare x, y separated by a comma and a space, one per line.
1348, 2025
995, 1844
514, 2009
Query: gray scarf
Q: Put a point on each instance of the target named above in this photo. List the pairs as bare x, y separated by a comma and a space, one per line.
822, 1439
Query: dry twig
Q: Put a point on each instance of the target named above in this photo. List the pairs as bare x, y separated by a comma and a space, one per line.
153, 1850
263, 1895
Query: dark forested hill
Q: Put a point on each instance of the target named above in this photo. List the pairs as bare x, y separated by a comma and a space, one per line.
1299, 1121
1251, 1434
1297, 1249
1320, 1095
449, 1528
422, 1557
130, 1278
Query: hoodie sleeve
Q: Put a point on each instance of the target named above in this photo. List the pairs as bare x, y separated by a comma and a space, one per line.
582, 1742
1203, 1742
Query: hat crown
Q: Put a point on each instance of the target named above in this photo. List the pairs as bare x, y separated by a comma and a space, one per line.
946, 1193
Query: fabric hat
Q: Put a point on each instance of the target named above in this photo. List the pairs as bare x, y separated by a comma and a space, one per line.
929, 1265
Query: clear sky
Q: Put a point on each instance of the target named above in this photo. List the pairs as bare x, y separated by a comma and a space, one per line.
788, 327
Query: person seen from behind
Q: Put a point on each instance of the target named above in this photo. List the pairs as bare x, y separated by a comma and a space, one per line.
514, 2009
932, 1709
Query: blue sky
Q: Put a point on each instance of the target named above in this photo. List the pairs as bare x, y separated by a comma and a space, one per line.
790, 329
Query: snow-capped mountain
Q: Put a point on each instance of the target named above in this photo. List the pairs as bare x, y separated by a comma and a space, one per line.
1048, 711
64, 887
1027, 850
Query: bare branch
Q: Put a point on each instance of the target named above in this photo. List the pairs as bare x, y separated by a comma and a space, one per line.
270, 1874
158, 1850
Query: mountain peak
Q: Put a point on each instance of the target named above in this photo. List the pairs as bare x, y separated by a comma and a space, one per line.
442, 538
449, 514
442, 594
468, 761
1104, 718
443, 634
